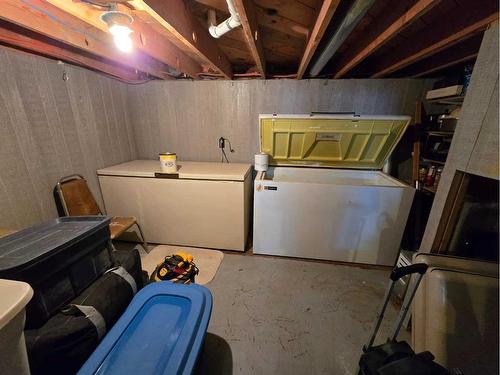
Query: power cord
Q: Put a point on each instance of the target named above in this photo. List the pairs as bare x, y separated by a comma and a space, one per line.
222, 146
97, 4
224, 156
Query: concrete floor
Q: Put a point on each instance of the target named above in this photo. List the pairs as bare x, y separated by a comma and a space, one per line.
286, 316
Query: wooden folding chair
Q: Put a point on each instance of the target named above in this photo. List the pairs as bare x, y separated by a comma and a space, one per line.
77, 200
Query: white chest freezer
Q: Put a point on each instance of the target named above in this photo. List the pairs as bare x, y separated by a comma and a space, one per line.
324, 195
208, 205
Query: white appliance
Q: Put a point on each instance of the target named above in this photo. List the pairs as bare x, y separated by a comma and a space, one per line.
204, 205
324, 195
455, 313
15, 297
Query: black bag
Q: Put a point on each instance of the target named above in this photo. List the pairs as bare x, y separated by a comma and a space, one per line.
64, 343
131, 261
397, 357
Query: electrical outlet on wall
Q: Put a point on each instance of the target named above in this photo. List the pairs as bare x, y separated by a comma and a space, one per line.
222, 144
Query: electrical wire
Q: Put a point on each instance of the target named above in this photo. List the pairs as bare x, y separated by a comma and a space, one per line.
137, 82
242, 76
224, 156
222, 146
230, 147
96, 4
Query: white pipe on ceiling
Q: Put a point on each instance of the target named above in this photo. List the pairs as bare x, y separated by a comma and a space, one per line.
232, 22
352, 18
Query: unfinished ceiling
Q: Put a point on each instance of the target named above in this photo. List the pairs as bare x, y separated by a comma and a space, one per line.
276, 39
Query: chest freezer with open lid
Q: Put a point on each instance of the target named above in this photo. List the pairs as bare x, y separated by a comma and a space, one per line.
324, 195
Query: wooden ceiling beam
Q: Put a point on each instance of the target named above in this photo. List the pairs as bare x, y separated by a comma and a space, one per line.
458, 54
325, 14
175, 17
144, 37
48, 20
420, 8
246, 12
18, 38
443, 65
436, 40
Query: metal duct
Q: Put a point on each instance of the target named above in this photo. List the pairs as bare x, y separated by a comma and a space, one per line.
352, 18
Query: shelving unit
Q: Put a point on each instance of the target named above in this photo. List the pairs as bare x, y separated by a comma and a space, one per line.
439, 133
419, 114
419, 134
452, 100
424, 196
431, 161
430, 189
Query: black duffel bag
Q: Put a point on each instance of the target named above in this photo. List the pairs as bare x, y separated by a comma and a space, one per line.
64, 343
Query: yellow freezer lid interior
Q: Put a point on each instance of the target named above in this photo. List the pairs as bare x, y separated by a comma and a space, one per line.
364, 142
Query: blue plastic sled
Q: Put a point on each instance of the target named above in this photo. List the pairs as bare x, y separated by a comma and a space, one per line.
161, 332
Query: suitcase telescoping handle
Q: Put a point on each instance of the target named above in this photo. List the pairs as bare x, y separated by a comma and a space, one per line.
396, 274
400, 272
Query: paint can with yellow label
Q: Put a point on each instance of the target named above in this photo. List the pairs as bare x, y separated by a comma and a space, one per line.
168, 161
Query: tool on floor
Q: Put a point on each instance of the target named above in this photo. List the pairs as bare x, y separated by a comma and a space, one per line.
397, 357
177, 268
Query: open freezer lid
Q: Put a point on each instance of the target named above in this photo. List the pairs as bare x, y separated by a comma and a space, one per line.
338, 141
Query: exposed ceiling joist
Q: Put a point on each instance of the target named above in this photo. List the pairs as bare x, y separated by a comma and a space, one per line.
246, 12
174, 16
145, 38
458, 54
446, 64
454, 34
48, 20
325, 14
29, 41
395, 38
420, 8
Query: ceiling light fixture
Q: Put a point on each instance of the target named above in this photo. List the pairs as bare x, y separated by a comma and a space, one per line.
118, 25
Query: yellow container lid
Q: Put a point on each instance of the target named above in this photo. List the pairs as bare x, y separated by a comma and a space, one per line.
335, 141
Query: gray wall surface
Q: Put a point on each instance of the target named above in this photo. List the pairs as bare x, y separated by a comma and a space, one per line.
474, 148
188, 117
50, 128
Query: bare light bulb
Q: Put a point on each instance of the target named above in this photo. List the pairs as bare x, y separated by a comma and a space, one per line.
121, 36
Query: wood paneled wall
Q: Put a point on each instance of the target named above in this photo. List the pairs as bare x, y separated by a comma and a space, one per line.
188, 117
51, 127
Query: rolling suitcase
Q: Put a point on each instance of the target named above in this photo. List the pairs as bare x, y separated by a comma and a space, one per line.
397, 357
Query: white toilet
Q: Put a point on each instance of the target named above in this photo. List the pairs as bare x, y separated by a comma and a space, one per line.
15, 297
